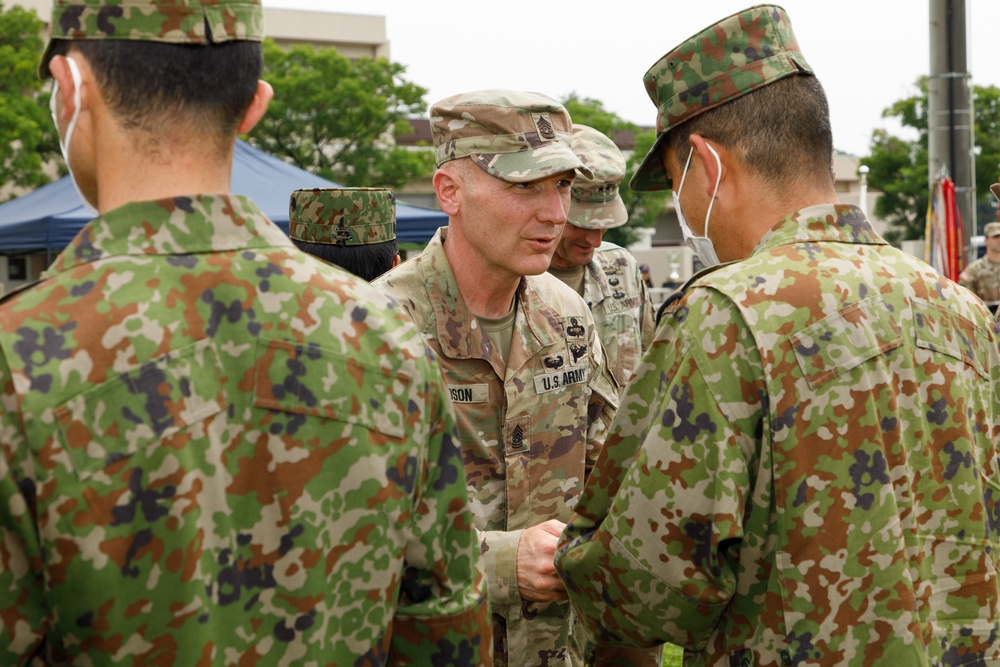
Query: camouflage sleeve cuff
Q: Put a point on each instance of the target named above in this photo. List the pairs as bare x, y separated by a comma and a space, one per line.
499, 559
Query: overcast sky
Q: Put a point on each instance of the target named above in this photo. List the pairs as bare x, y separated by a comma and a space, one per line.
867, 53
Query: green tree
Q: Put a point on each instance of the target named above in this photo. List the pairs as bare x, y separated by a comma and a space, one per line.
898, 166
643, 207
27, 136
337, 118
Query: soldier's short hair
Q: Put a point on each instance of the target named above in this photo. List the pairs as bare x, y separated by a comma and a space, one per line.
781, 132
365, 261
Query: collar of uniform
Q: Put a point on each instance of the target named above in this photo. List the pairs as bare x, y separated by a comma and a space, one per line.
459, 341
842, 223
178, 225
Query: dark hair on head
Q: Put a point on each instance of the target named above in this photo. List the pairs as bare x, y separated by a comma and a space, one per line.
150, 86
781, 131
365, 261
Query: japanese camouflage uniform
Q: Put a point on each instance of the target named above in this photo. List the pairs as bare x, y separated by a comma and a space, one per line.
613, 287
983, 275
208, 453
804, 470
208, 456
342, 216
530, 428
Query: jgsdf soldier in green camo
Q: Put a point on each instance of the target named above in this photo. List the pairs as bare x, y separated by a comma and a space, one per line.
804, 469
604, 274
983, 275
207, 456
521, 359
354, 228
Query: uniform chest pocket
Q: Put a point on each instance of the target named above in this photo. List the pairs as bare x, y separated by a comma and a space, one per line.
136, 410
949, 333
845, 339
316, 381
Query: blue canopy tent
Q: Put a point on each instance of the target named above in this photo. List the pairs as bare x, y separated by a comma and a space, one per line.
51, 216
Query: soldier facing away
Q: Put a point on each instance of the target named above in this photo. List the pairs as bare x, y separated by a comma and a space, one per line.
804, 470
353, 228
206, 455
519, 350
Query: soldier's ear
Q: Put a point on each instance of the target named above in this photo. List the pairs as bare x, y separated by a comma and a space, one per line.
447, 185
258, 105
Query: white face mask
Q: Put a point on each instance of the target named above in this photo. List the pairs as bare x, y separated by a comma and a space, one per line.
64, 146
701, 245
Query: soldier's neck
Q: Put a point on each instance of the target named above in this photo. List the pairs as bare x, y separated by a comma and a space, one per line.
129, 172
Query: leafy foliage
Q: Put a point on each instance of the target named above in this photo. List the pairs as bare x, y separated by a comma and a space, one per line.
337, 118
643, 207
898, 166
27, 134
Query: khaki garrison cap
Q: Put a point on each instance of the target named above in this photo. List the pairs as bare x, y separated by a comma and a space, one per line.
342, 216
727, 60
516, 136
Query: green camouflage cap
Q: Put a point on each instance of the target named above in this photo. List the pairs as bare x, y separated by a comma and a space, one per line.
516, 136
169, 21
739, 54
595, 202
342, 216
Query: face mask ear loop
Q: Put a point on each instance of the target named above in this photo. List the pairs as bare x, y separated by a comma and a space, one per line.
684, 175
718, 179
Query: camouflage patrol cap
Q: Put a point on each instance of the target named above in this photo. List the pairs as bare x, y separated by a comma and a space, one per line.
595, 202
169, 21
513, 135
726, 60
991, 229
342, 216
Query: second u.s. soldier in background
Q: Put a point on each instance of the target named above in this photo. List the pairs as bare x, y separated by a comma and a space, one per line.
604, 274
518, 349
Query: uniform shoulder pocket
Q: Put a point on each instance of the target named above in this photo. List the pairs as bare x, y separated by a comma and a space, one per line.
316, 381
845, 339
942, 330
138, 409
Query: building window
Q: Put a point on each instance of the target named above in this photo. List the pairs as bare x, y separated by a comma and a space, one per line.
17, 268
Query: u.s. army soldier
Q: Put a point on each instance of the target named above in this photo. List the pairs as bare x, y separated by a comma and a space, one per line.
604, 274
804, 469
207, 455
518, 349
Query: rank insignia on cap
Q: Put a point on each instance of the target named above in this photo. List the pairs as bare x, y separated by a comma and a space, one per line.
544, 126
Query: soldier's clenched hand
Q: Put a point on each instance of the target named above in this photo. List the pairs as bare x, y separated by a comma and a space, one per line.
536, 573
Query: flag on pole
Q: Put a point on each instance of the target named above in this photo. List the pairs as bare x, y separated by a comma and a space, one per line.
944, 244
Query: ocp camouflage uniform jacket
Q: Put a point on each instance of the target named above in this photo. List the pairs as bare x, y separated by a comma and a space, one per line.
617, 296
983, 278
219, 450
529, 430
804, 471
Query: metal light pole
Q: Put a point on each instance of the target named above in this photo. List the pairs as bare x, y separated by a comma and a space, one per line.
949, 110
863, 193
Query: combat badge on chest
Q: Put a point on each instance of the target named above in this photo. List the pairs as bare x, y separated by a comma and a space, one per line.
565, 367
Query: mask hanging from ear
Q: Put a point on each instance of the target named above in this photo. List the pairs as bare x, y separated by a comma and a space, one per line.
700, 245
64, 146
